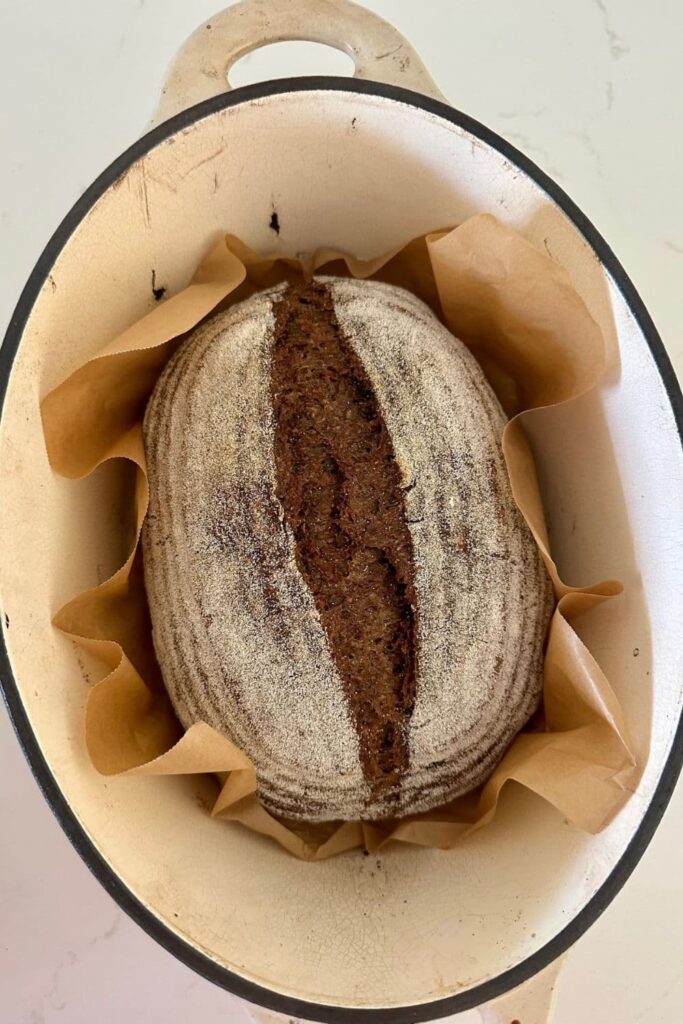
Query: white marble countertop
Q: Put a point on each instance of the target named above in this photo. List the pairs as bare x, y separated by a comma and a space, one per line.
591, 90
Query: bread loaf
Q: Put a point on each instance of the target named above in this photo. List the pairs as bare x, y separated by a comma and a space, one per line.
338, 576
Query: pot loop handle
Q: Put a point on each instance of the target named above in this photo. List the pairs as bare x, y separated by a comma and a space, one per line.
532, 1003
201, 66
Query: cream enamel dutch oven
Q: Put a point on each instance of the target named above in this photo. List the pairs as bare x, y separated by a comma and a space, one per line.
361, 165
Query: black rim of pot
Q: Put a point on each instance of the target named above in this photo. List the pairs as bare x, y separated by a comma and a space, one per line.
154, 927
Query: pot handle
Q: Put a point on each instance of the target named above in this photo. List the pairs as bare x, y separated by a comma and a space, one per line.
530, 1003
200, 68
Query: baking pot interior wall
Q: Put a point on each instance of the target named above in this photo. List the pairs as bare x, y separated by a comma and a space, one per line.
362, 173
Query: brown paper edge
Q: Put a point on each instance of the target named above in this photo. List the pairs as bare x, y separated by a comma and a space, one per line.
581, 763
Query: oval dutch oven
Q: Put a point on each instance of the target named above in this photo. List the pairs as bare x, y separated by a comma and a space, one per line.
360, 164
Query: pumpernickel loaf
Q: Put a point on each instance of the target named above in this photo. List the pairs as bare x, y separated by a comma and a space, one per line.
338, 576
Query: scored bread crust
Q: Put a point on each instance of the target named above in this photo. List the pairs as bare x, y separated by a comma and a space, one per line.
236, 629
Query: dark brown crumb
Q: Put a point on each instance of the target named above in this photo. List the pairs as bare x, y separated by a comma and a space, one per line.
340, 487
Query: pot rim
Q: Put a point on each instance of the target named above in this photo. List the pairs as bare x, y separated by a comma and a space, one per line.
145, 918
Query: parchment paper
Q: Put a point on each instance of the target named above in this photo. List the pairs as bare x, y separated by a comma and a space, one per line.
517, 311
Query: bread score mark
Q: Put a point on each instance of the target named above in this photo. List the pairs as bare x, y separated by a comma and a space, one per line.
341, 491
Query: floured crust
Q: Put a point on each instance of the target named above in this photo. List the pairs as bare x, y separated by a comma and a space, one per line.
236, 629
482, 589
